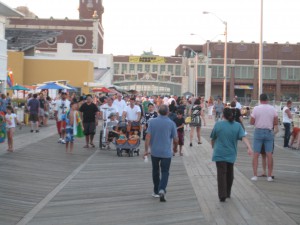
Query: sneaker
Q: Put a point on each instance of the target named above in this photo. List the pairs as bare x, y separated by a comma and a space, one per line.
162, 196
63, 142
270, 179
59, 140
155, 195
254, 178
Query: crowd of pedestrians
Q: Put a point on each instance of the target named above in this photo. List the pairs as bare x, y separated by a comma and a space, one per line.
163, 123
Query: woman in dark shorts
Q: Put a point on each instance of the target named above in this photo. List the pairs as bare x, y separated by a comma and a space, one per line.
196, 112
179, 121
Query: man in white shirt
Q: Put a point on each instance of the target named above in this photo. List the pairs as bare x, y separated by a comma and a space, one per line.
120, 104
132, 112
170, 100
108, 108
237, 104
61, 107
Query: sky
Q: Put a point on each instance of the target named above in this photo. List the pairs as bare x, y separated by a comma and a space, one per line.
134, 26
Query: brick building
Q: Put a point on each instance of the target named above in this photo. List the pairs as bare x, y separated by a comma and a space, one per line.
86, 34
281, 69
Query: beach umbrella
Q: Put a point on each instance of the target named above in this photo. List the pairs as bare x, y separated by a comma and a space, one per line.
103, 89
18, 88
54, 86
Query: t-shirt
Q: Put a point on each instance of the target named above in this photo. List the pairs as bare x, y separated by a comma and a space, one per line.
109, 109
34, 106
3, 105
162, 131
148, 116
132, 113
285, 117
238, 105
219, 107
42, 103
120, 105
145, 106
62, 106
89, 112
10, 120
111, 124
264, 115
178, 123
225, 136
236, 114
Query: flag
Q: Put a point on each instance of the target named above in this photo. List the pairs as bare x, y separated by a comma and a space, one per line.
10, 78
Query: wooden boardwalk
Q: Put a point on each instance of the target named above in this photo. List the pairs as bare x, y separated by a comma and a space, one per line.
41, 184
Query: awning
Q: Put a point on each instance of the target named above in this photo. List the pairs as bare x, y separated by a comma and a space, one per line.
245, 87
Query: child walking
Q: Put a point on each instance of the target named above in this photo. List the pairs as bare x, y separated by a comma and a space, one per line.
179, 120
73, 122
11, 121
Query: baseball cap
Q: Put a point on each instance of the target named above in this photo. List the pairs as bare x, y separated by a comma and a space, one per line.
112, 114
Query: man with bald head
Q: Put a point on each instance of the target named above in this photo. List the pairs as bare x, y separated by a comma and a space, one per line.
161, 133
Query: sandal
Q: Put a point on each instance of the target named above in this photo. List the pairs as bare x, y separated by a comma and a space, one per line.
86, 146
93, 146
199, 143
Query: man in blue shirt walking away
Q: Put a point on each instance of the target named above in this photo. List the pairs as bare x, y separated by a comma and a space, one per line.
161, 133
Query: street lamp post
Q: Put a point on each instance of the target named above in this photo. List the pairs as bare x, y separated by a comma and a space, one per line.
260, 80
196, 58
225, 56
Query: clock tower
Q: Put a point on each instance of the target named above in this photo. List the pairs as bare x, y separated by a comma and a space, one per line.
91, 9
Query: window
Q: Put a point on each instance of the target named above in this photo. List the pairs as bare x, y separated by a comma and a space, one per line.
244, 72
162, 68
290, 74
132, 67
140, 68
178, 70
116, 68
201, 70
270, 73
147, 68
170, 69
218, 72
124, 68
154, 68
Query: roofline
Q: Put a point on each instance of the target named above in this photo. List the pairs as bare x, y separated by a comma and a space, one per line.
11, 10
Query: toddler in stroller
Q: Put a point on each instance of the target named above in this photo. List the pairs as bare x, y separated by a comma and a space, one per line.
129, 139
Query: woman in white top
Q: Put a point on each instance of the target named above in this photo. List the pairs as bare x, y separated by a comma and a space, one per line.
11, 121
286, 120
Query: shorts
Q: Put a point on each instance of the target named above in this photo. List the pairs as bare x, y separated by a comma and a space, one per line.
42, 112
263, 137
10, 129
33, 117
70, 135
180, 137
89, 128
61, 125
263, 149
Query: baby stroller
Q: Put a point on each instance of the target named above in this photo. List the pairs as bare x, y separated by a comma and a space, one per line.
130, 147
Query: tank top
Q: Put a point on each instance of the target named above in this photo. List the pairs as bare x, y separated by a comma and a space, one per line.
285, 117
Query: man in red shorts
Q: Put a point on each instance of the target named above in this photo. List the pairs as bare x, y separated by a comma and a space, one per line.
62, 106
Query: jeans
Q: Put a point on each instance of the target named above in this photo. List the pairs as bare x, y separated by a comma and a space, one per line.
218, 116
287, 134
160, 166
225, 178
